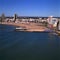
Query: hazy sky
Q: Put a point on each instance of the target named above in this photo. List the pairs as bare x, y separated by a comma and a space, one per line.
30, 7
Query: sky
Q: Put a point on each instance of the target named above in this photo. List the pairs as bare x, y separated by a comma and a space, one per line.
30, 7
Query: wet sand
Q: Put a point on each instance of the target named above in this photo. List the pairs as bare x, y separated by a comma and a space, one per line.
28, 26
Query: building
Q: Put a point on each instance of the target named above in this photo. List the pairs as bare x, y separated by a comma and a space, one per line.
35, 19
9, 19
52, 22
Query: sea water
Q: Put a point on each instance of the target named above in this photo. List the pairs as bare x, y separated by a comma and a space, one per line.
19, 45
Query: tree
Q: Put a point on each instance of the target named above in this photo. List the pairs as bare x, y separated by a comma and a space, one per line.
0, 19
3, 17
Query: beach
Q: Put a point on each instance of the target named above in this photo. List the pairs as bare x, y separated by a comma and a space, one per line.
28, 26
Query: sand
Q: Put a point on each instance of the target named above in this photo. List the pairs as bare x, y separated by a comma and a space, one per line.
29, 26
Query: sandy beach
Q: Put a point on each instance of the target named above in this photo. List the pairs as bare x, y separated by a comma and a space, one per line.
29, 26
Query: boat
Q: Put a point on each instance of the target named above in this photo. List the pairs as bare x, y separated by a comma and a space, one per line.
20, 29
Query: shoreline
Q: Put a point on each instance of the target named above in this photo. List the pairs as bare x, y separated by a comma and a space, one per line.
30, 27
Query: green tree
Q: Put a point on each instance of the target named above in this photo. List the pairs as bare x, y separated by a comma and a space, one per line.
3, 17
0, 19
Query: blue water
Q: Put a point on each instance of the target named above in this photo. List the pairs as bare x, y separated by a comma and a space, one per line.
16, 45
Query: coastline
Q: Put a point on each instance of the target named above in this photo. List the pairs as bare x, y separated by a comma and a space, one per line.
30, 27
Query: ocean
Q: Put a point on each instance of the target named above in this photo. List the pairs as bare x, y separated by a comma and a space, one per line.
19, 45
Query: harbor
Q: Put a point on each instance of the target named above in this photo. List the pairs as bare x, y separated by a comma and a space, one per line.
29, 29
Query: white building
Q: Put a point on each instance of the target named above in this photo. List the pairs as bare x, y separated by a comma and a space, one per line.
52, 22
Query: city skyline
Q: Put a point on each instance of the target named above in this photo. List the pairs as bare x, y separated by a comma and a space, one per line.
30, 7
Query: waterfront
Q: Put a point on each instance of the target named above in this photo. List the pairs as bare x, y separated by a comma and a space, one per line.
16, 45
30, 26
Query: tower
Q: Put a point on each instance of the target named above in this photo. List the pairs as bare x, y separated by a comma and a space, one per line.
15, 17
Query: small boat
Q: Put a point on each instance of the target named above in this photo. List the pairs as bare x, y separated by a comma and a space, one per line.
20, 29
